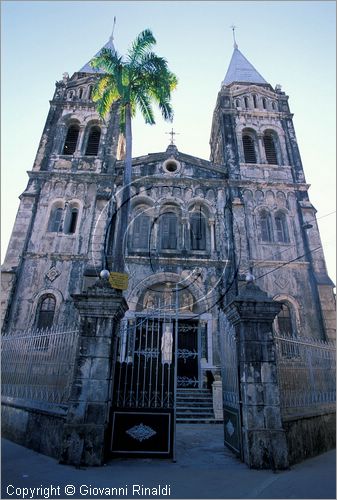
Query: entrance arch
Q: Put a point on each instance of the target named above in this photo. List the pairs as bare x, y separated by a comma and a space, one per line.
175, 299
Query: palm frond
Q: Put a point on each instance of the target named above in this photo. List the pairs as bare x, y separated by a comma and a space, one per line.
107, 60
144, 41
144, 102
139, 80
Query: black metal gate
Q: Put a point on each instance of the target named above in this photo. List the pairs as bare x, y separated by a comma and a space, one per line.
143, 413
231, 390
188, 354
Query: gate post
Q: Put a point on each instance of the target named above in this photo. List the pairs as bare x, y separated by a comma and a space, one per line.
264, 442
84, 434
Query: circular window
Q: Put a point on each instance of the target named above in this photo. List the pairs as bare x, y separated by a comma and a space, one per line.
171, 166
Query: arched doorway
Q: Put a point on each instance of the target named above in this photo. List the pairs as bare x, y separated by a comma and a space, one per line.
175, 303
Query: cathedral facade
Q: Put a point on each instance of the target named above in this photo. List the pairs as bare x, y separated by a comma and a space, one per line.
196, 229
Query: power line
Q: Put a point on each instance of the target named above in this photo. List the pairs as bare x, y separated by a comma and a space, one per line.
285, 264
322, 216
295, 244
288, 262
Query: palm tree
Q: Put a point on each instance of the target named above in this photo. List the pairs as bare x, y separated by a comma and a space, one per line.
133, 82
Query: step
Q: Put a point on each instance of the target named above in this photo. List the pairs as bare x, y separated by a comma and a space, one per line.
194, 398
192, 407
183, 390
193, 404
198, 421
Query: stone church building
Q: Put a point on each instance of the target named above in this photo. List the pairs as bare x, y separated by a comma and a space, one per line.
198, 229
204, 224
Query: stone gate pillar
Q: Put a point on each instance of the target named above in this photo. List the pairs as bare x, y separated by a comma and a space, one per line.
263, 439
85, 430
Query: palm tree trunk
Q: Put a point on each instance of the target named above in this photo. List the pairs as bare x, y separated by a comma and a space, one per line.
118, 264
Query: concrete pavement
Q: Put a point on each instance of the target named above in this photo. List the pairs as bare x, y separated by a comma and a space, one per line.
204, 469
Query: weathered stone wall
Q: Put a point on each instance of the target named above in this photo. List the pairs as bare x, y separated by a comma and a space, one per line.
310, 435
37, 426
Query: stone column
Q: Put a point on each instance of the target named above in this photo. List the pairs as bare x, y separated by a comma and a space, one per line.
85, 430
263, 439
262, 153
211, 223
184, 232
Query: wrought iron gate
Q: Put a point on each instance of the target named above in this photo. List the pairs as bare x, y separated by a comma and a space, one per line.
188, 354
143, 413
230, 376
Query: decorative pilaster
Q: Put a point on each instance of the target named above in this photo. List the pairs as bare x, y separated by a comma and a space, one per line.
264, 442
262, 152
85, 430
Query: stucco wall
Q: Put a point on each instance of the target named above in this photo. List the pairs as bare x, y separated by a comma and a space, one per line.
38, 427
310, 435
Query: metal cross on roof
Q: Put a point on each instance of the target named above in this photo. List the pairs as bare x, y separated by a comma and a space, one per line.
172, 134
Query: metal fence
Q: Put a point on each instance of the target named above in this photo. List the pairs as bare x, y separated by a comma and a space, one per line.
37, 365
306, 373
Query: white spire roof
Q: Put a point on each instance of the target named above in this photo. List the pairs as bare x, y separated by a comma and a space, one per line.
89, 69
240, 70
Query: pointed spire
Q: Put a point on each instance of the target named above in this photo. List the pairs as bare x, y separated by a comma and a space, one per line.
111, 39
109, 45
241, 70
233, 29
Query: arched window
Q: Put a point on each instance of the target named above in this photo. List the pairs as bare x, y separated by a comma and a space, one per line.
249, 149
80, 93
282, 235
55, 220
141, 232
265, 226
264, 103
198, 231
70, 222
93, 141
70, 143
254, 101
273, 105
270, 149
169, 231
246, 102
284, 322
90, 91
45, 312
238, 103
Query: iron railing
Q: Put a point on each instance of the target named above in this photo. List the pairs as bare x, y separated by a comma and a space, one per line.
306, 373
37, 365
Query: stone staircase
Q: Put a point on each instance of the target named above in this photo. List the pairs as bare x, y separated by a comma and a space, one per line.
195, 406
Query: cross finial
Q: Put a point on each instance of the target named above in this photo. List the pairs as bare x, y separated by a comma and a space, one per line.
233, 29
113, 29
172, 134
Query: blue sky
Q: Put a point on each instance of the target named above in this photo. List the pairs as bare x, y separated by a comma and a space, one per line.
289, 43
